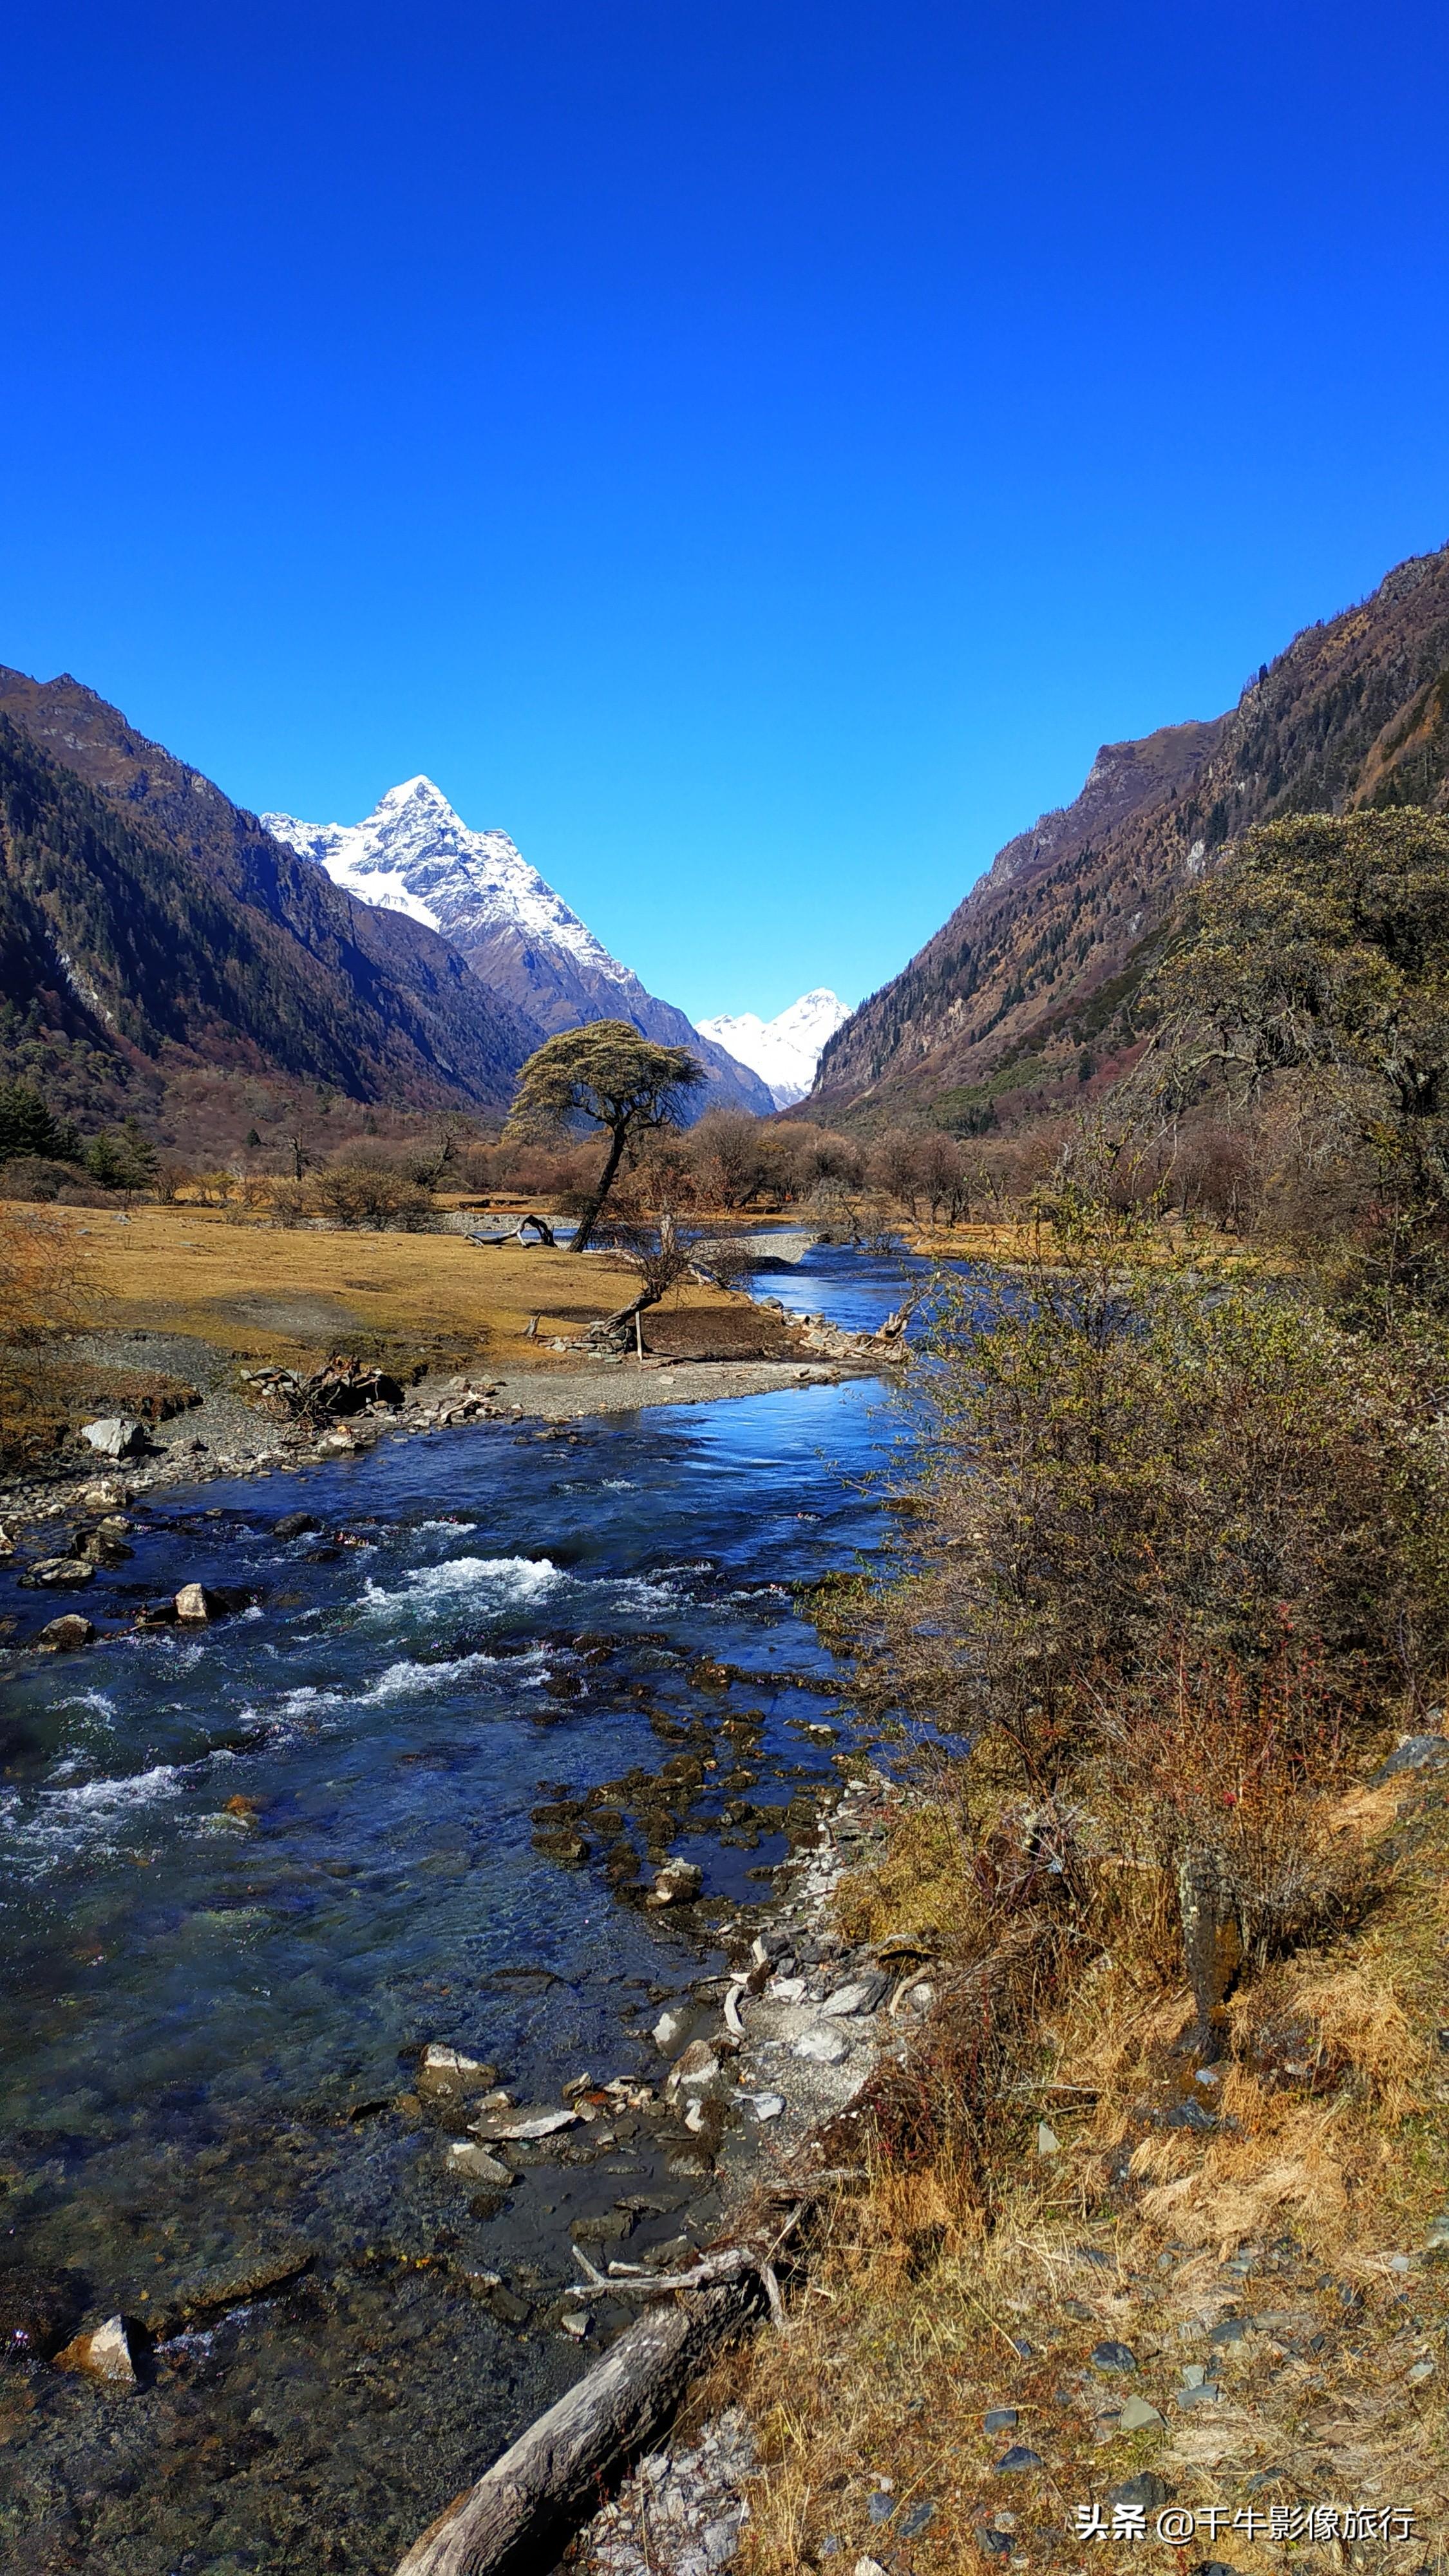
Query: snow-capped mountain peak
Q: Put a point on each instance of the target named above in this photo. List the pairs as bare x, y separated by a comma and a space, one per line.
413, 853
785, 1051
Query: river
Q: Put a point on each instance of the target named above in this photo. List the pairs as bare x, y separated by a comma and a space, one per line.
247, 1873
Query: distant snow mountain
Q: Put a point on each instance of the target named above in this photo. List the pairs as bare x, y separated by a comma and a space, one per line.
414, 854
785, 1051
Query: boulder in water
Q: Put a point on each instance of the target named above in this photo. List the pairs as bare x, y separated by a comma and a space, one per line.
57, 1574
469, 2163
62, 1636
677, 1883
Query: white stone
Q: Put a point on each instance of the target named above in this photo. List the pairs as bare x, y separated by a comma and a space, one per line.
697, 2071
529, 2124
103, 2354
766, 2106
115, 1437
474, 2164
856, 1997
671, 2027
447, 2070
823, 2047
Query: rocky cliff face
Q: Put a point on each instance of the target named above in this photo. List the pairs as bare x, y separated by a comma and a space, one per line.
140, 898
1040, 961
414, 856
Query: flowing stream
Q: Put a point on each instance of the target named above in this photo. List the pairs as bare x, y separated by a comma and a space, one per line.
247, 1873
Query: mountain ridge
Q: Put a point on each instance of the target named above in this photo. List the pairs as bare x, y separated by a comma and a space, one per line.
150, 918
1029, 981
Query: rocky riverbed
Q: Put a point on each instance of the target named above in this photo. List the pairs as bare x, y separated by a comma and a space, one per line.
488, 1685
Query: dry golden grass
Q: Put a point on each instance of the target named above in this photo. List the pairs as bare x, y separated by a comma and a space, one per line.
906, 2332
262, 1292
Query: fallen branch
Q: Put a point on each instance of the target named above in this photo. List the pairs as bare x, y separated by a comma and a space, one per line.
531, 2499
517, 2518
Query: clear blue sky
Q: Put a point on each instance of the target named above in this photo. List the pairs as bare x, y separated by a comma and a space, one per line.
752, 450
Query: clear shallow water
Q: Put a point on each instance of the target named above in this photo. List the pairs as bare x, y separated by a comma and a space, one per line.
204, 2010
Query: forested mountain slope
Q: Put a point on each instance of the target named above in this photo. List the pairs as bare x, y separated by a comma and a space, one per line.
1026, 991
146, 919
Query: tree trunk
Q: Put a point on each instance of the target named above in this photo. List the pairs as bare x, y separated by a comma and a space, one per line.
518, 2517
590, 1217
1211, 1945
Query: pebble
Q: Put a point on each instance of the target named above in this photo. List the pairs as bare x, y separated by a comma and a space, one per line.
1113, 2356
676, 1883
1019, 2457
671, 2027
474, 2164
1000, 2419
1136, 2415
1147, 2492
765, 2106
445, 2071
103, 2354
518, 2126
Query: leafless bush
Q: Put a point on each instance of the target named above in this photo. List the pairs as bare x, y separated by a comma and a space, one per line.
34, 1178
291, 1203
369, 1195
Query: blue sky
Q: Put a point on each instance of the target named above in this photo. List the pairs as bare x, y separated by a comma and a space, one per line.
752, 451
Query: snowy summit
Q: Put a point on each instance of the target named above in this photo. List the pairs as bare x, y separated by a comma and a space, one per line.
414, 854
785, 1051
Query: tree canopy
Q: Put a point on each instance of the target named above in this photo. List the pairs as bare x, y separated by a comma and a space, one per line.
1319, 949
612, 1078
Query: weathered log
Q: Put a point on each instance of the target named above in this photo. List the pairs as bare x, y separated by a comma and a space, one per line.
523, 2510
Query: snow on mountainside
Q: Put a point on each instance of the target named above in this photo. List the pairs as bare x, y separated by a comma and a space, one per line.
784, 1051
414, 854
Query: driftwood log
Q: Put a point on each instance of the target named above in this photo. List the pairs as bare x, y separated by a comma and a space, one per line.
521, 2513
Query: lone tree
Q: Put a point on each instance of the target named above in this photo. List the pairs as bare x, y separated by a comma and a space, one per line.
614, 1078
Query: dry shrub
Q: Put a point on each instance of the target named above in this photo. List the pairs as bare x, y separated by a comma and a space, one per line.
1238, 1778
290, 1204
1007, 1924
370, 1195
